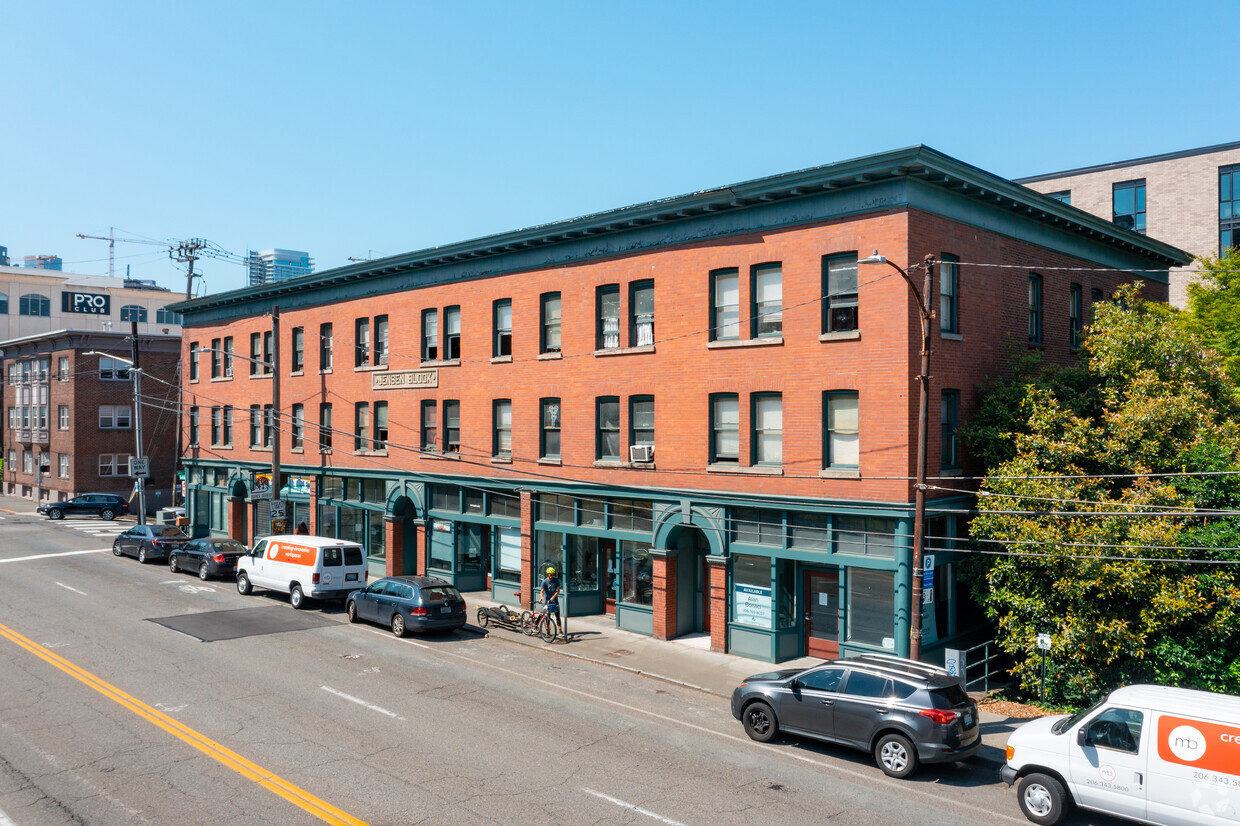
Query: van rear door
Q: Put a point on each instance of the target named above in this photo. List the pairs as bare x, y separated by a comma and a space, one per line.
1108, 761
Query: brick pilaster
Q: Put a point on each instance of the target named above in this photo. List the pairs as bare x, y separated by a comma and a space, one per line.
718, 573
664, 573
394, 541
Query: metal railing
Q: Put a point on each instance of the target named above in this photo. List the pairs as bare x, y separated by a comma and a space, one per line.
986, 666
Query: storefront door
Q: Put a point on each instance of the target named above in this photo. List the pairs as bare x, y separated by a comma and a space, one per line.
822, 614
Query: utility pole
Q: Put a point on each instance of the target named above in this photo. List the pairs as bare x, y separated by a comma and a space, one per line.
136, 371
275, 406
187, 251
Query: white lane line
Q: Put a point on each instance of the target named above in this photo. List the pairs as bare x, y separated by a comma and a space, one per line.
361, 702
4, 819
895, 785
633, 808
68, 588
53, 556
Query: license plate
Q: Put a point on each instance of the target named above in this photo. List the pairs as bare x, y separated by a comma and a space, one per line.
350, 577
447, 609
968, 720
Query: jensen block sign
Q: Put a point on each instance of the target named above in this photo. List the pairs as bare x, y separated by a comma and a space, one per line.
404, 379
85, 303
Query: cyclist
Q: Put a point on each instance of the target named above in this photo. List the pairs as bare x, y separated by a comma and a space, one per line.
551, 596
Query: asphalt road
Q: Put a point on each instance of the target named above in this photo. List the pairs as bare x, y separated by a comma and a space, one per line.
109, 714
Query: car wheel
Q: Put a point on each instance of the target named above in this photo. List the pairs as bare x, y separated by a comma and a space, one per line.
398, 624
243, 583
108, 514
760, 722
484, 619
172, 564
296, 597
116, 549
55, 513
204, 573
896, 756
350, 608
142, 556
1043, 799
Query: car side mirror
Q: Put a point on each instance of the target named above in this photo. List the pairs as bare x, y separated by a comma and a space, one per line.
795, 685
1080, 736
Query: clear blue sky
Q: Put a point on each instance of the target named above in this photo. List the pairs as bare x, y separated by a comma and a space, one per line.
375, 128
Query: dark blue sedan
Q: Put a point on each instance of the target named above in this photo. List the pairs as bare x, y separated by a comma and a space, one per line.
409, 603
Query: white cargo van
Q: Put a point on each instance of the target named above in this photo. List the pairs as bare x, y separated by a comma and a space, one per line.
304, 567
1147, 753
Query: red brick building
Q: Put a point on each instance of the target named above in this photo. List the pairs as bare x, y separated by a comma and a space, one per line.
70, 421
701, 410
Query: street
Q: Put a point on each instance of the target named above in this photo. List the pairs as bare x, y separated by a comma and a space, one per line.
113, 709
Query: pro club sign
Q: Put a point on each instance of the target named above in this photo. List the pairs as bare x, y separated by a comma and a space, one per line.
89, 303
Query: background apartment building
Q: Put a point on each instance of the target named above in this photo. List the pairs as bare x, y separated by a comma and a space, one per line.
1190, 199
702, 410
274, 265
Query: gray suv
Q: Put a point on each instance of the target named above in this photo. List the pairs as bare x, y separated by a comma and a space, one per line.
903, 712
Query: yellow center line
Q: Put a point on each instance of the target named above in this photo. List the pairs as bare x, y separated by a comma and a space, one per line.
299, 797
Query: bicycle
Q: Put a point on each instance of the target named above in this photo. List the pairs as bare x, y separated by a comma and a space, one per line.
538, 622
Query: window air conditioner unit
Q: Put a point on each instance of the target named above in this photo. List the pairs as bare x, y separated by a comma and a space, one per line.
641, 453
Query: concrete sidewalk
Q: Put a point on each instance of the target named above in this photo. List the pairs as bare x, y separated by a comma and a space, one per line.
688, 661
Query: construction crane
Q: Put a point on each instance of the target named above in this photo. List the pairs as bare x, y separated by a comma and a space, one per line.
112, 239
180, 251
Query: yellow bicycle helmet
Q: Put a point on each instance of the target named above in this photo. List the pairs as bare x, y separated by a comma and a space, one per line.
551, 572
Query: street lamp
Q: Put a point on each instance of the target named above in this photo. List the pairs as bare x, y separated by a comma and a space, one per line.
136, 373
922, 297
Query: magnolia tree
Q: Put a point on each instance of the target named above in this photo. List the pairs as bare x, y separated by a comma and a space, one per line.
1106, 519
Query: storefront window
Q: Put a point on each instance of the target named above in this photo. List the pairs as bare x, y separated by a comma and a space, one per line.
445, 498
376, 553
327, 520
353, 525
628, 515
583, 563
865, 536
470, 539
202, 508
547, 555
636, 574
758, 527
333, 487
504, 504
374, 491
508, 567
593, 513
440, 542
751, 590
871, 607
473, 501
785, 574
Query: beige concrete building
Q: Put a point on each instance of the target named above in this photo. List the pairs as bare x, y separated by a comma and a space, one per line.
1189, 199
34, 301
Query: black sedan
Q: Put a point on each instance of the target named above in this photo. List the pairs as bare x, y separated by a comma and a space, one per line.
409, 603
212, 556
104, 505
148, 542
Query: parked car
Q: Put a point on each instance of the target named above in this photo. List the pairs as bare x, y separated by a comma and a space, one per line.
211, 556
903, 712
409, 603
304, 567
148, 542
103, 505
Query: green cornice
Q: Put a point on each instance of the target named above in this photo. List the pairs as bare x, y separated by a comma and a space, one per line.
916, 176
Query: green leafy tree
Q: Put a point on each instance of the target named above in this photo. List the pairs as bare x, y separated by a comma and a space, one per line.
1214, 308
1077, 499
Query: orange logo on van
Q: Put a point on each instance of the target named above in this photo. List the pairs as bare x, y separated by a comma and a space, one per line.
295, 554
1199, 744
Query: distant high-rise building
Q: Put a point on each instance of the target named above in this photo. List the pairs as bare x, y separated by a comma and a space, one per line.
42, 262
278, 265
4, 256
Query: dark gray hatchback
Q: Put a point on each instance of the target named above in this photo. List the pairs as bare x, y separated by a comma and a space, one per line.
903, 712
408, 603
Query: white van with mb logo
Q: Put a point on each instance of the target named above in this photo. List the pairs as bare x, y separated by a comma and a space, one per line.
304, 567
1149, 753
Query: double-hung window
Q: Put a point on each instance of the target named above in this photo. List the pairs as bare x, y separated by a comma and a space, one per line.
256, 354
430, 335
452, 333
839, 291
228, 355
298, 428
1074, 316
608, 300
361, 342
269, 424
228, 426
767, 308
948, 284
430, 426
62, 413
299, 350
725, 323
325, 347
381, 426
768, 429
949, 421
452, 426
641, 305
193, 361
725, 423
115, 417
549, 429
256, 425
193, 426
641, 420
361, 426
608, 429
1035, 308
501, 442
217, 358
501, 312
1128, 205
216, 426
381, 341
549, 335
325, 426
842, 430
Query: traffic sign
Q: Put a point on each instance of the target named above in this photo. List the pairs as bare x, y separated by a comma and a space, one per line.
140, 468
